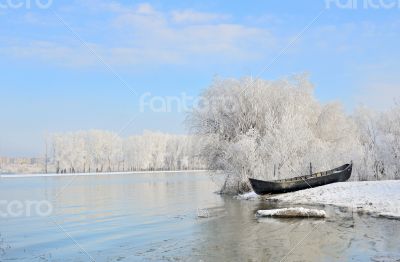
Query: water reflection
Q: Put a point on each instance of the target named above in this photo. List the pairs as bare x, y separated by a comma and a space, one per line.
240, 236
154, 217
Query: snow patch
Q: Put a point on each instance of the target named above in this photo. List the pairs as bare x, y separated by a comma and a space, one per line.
248, 196
291, 212
379, 198
203, 213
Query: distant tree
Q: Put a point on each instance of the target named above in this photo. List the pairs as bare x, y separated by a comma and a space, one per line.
102, 151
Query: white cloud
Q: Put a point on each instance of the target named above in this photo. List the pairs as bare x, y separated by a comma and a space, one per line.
191, 16
47, 51
354, 37
145, 9
143, 35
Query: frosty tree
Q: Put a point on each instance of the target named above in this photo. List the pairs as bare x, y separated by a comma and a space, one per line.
253, 127
103, 151
380, 139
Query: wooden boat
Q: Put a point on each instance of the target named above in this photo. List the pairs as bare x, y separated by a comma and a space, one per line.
339, 174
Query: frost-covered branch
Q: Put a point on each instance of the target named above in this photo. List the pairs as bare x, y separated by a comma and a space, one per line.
262, 125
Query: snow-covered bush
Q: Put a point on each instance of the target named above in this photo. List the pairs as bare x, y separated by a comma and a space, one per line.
271, 129
380, 139
370, 165
390, 147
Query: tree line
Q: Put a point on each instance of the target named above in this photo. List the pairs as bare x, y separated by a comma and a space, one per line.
104, 151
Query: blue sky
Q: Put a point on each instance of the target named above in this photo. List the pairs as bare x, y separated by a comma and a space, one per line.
78, 65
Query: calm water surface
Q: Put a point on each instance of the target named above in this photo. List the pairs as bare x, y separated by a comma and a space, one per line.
154, 217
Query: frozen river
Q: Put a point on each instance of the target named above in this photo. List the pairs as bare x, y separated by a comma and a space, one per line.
154, 217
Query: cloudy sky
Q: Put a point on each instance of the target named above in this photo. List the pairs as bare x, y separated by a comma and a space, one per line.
93, 64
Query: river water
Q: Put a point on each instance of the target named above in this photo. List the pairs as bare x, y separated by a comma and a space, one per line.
155, 217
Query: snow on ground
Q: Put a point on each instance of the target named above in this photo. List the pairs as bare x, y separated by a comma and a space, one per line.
291, 212
248, 196
379, 198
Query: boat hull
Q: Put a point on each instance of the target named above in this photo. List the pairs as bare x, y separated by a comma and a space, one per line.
339, 174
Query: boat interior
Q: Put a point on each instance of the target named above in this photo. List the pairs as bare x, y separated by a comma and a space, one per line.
315, 175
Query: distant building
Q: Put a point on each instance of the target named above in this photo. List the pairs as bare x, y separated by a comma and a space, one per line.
21, 164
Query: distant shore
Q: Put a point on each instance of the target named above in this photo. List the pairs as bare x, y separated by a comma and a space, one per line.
97, 174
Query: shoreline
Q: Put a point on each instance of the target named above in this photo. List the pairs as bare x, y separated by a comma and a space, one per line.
99, 174
375, 198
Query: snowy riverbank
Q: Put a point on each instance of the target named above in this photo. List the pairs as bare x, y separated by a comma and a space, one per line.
378, 198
